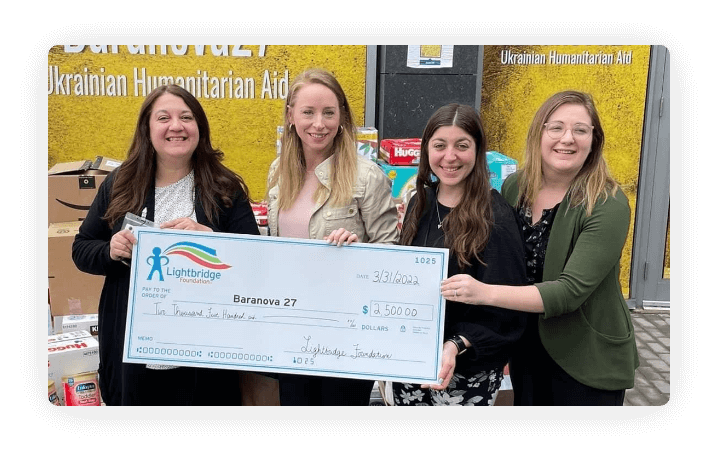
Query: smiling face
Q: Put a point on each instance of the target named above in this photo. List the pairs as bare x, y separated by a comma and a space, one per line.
564, 157
316, 116
452, 155
173, 130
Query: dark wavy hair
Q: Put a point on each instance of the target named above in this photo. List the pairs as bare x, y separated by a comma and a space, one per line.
216, 183
468, 225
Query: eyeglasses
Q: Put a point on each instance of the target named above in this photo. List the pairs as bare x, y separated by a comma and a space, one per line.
556, 130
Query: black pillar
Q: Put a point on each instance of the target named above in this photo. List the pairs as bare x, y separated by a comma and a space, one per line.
407, 97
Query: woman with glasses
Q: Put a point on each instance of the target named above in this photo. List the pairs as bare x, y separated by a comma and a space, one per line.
579, 347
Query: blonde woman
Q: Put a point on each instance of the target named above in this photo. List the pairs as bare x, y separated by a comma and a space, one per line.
319, 188
579, 347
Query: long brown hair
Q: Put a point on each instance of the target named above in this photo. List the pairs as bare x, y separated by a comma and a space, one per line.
216, 183
468, 225
292, 166
593, 179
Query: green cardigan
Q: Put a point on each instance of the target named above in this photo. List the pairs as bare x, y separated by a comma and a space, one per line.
586, 325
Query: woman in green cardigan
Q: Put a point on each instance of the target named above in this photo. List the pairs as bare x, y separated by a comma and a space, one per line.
579, 347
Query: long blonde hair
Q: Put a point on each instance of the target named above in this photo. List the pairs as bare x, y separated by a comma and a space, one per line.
291, 170
593, 179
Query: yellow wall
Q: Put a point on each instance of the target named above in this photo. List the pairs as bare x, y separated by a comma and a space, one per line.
82, 125
243, 123
513, 90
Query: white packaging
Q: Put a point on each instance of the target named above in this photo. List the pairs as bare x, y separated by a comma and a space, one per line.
70, 323
71, 353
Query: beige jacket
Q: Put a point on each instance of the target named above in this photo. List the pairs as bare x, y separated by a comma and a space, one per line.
371, 214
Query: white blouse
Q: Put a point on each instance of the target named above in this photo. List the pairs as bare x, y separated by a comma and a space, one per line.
172, 202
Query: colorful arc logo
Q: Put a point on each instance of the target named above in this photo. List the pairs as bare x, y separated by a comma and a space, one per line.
200, 254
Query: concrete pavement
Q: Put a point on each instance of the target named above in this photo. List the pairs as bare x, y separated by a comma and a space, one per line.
652, 383
653, 376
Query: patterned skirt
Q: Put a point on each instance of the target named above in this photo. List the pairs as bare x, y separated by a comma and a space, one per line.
479, 389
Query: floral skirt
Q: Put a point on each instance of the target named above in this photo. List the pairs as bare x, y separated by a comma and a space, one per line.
479, 389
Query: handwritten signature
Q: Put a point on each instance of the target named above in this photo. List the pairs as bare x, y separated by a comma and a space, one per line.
319, 349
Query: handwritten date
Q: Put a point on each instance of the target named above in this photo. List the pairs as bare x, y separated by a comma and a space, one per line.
396, 277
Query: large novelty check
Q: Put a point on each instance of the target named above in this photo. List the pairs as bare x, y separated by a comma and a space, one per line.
272, 304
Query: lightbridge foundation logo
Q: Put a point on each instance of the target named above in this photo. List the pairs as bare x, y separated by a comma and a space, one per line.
206, 258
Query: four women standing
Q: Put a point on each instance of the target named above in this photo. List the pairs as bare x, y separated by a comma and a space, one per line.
555, 258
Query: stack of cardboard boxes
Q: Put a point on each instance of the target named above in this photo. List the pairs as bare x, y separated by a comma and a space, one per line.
399, 158
73, 295
71, 188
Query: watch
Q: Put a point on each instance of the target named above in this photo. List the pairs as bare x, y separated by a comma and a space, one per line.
460, 344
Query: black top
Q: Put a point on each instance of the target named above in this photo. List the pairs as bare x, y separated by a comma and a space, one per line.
536, 240
492, 331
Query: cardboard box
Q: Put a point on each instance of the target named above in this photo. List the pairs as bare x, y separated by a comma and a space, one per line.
70, 323
400, 151
403, 178
71, 292
67, 336
500, 167
71, 187
71, 353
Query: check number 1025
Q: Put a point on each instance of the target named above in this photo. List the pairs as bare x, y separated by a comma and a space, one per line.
424, 260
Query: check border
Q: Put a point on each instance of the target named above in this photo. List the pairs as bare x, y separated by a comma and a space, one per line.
130, 356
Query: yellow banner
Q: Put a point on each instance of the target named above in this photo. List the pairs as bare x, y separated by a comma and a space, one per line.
518, 79
95, 93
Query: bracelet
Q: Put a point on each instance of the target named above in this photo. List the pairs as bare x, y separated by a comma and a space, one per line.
460, 344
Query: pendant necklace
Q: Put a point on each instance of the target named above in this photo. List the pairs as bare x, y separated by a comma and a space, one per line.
441, 222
